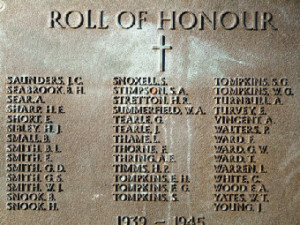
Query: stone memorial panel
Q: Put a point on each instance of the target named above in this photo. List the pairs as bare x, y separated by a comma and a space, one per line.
149, 112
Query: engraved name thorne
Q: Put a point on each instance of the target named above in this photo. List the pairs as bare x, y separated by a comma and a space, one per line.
186, 20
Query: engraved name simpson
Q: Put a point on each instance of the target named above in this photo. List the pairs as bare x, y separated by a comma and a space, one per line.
186, 20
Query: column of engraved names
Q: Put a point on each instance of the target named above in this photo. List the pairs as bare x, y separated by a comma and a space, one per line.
241, 118
141, 158
33, 175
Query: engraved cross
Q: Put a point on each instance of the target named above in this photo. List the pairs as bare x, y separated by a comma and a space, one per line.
162, 50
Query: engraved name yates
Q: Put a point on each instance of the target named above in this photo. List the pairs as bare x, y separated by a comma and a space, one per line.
185, 20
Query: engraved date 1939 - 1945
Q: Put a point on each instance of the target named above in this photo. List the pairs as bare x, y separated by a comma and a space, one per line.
177, 220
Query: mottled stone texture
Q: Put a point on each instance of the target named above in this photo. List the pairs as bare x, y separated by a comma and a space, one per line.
29, 46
